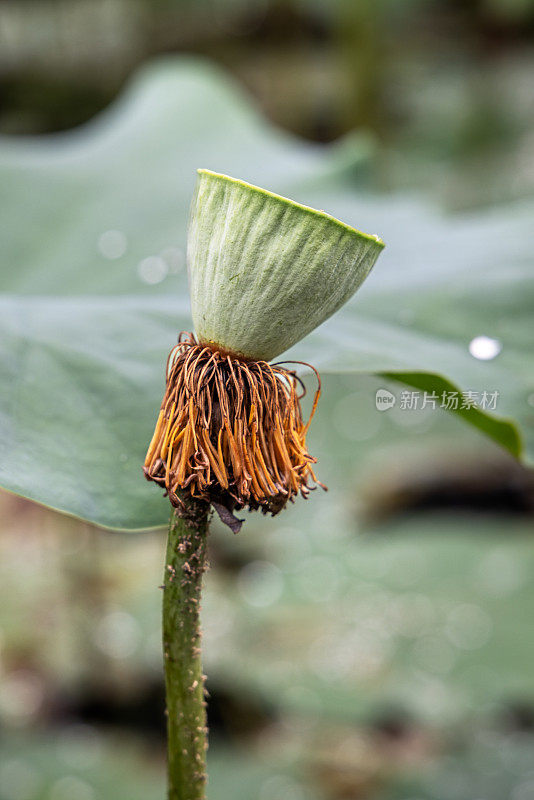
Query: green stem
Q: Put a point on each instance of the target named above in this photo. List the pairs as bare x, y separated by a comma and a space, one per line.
184, 682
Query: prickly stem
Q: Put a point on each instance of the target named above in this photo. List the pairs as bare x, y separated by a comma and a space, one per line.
184, 682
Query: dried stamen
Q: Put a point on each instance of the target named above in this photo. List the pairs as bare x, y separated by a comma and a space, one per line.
231, 431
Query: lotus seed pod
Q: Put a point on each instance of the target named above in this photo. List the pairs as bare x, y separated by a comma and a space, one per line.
265, 271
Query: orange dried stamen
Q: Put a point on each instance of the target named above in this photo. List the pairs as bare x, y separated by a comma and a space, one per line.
231, 431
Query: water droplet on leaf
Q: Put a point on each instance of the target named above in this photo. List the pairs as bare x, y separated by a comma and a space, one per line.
484, 348
112, 244
152, 269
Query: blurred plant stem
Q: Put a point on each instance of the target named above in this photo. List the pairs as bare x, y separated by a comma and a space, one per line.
184, 682
360, 41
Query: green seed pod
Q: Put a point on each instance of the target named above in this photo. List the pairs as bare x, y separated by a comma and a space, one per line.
265, 271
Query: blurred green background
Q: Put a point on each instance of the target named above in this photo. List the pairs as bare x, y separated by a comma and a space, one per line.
443, 87
376, 642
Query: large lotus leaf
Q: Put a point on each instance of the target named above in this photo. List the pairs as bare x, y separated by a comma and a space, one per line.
93, 240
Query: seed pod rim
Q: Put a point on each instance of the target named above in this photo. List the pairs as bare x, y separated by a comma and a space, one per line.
295, 204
